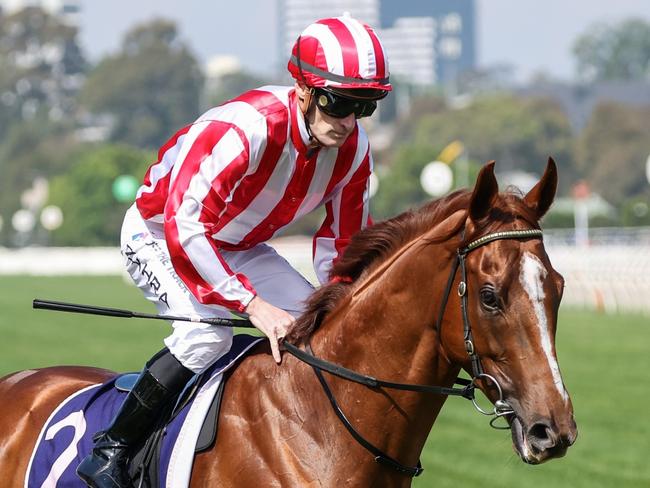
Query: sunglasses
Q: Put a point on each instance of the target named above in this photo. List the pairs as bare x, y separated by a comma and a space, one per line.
339, 107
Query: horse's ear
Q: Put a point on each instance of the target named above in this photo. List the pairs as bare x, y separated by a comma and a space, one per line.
541, 196
485, 191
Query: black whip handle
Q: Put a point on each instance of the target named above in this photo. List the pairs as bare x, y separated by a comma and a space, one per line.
118, 312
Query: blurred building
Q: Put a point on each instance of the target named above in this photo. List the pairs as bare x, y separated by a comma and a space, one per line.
411, 47
295, 15
579, 101
444, 28
428, 42
43, 68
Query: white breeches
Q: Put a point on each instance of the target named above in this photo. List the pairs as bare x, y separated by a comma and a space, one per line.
198, 345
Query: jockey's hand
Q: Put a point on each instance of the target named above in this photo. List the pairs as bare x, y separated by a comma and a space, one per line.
273, 321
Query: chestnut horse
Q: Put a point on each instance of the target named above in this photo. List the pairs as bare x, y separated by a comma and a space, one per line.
462, 283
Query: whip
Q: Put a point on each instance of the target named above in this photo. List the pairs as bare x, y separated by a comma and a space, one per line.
128, 314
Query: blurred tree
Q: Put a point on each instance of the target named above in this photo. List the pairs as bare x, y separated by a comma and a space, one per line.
519, 134
399, 185
559, 220
612, 150
230, 85
420, 107
91, 214
618, 52
636, 211
150, 88
41, 68
31, 149
495, 77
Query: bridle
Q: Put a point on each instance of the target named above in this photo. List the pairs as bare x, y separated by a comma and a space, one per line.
501, 407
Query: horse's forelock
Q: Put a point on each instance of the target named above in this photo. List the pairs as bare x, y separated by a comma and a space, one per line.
375, 244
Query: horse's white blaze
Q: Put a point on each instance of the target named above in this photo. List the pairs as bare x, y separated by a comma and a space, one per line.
531, 276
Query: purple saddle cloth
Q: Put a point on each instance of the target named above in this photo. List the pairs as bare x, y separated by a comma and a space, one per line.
66, 437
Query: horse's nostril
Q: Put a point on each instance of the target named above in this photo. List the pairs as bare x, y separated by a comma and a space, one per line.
541, 436
539, 431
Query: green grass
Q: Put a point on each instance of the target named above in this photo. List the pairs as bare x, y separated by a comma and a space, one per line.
37, 338
605, 362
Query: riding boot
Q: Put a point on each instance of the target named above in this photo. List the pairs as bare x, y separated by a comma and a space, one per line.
159, 384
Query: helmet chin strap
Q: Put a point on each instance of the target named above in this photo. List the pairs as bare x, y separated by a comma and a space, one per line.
306, 105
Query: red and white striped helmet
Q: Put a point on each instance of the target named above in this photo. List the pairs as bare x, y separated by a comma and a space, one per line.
340, 53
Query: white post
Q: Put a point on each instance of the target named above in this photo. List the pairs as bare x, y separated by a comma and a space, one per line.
581, 222
581, 194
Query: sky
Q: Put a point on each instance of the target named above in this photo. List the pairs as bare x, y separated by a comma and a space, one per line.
534, 36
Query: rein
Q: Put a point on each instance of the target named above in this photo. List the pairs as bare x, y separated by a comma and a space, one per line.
501, 407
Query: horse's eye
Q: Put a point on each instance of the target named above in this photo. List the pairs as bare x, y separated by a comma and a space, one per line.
489, 298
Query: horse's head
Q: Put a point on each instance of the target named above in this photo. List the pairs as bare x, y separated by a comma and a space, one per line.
513, 295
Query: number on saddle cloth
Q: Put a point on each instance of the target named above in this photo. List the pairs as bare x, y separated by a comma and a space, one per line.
67, 435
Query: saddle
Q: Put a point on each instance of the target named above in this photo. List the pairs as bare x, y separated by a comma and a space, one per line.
145, 465
166, 457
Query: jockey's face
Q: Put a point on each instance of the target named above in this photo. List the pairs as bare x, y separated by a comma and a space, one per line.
327, 130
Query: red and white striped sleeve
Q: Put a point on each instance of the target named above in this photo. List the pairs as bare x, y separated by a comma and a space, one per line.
214, 158
346, 213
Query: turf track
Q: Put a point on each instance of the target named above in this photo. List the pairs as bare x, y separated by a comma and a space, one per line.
605, 361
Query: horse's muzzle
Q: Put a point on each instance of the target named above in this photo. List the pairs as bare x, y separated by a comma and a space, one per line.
542, 440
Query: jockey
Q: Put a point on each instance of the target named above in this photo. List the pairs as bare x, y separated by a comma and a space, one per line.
194, 240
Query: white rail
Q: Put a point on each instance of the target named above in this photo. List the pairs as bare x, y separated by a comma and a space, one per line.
611, 275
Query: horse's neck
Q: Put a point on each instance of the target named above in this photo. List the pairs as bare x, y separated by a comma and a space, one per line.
387, 331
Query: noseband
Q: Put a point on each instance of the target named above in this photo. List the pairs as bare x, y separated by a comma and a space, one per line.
501, 408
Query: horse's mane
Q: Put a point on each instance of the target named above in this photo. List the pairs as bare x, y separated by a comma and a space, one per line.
373, 245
